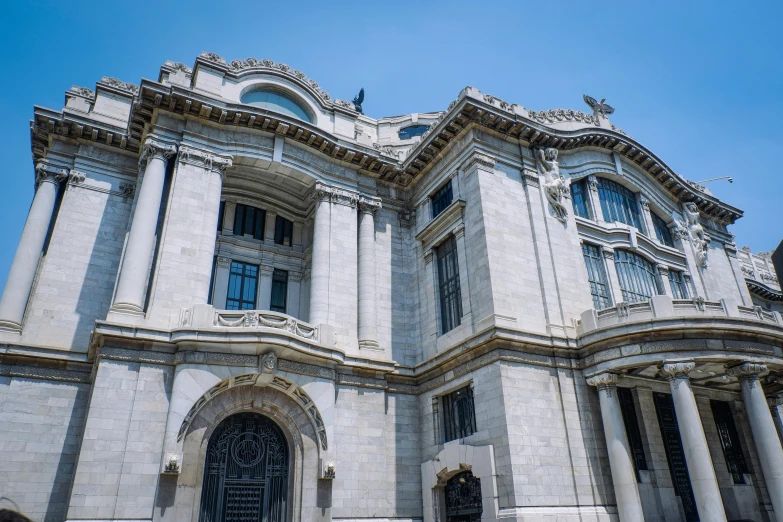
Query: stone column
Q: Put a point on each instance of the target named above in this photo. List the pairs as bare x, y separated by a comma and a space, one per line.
28, 253
264, 297
644, 203
220, 288
697, 454
319, 278
368, 332
611, 274
765, 436
629, 502
141, 239
775, 405
663, 279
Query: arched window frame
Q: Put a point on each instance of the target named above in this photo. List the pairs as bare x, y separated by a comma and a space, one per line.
639, 280
283, 93
619, 203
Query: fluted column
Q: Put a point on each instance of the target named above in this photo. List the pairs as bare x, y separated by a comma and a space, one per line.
368, 331
697, 454
28, 253
319, 279
629, 503
762, 426
141, 239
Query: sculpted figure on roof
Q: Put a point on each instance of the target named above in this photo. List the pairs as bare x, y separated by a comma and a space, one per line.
555, 186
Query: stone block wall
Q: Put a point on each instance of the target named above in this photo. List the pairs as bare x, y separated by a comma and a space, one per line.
41, 425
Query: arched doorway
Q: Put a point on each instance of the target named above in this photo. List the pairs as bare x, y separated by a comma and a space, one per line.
246, 472
463, 498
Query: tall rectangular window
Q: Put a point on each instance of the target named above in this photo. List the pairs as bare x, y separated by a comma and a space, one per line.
221, 211
284, 231
632, 431
242, 283
442, 199
618, 203
729, 439
596, 275
579, 198
249, 220
279, 291
459, 416
678, 286
662, 230
448, 282
638, 281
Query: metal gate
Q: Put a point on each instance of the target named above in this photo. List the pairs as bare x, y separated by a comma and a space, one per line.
246, 472
678, 468
463, 498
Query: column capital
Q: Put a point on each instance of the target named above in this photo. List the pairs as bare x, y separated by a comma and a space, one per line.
644, 202
677, 370
368, 204
154, 147
608, 252
49, 173
604, 380
295, 276
459, 231
223, 262
662, 269
747, 371
592, 182
776, 400
477, 158
338, 196
266, 270
205, 159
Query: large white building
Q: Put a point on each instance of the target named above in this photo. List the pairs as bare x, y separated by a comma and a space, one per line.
238, 299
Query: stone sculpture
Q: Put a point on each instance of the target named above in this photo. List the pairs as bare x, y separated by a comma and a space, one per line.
555, 186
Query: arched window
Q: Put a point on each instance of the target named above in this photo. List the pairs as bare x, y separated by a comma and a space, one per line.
276, 100
463, 498
246, 472
638, 280
618, 203
412, 131
579, 198
662, 230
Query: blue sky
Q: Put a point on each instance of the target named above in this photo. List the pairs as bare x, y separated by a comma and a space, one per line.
699, 83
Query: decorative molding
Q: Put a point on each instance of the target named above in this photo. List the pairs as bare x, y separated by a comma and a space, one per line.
592, 182
335, 195
50, 173
361, 381
268, 363
129, 355
530, 178
284, 365
604, 380
369, 205
644, 202
121, 85
127, 190
82, 91
76, 177
212, 57
264, 319
387, 150
43, 373
204, 159
555, 185
295, 276
747, 371
223, 262
559, 115
677, 370
154, 147
479, 159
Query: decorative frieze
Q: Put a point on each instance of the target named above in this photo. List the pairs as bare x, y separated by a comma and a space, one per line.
48, 374
284, 365
560, 115
204, 159
256, 319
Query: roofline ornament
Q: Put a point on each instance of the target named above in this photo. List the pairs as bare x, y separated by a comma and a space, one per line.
121, 85
237, 66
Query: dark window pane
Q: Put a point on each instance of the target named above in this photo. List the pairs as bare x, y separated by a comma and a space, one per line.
442, 199
258, 226
459, 418
579, 198
662, 230
221, 211
729, 439
638, 281
412, 131
279, 291
239, 220
632, 429
677, 283
284, 230
449, 289
250, 220
596, 275
618, 203
242, 283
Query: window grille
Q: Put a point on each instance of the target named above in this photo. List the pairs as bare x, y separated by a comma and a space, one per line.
412, 131
632, 430
638, 280
678, 286
662, 230
242, 283
596, 275
249, 220
729, 440
618, 203
442, 199
448, 280
284, 230
459, 416
579, 198
279, 291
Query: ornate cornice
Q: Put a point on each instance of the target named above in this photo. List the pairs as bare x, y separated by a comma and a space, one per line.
121, 85
252, 64
604, 380
204, 159
677, 370
747, 370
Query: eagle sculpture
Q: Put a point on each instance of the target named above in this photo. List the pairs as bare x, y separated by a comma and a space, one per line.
357, 101
598, 107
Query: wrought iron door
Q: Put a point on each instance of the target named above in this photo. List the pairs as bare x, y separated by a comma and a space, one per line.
246, 472
463, 498
678, 468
